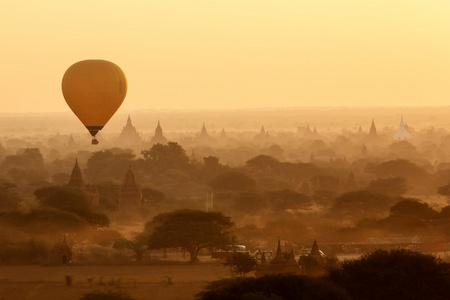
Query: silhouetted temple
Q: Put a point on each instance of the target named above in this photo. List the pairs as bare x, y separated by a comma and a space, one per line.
76, 181
223, 135
158, 138
262, 136
308, 133
203, 137
61, 253
305, 188
373, 130
364, 149
130, 195
351, 183
315, 250
402, 133
129, 134
278, 265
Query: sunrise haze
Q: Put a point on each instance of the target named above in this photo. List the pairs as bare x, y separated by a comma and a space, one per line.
231, 54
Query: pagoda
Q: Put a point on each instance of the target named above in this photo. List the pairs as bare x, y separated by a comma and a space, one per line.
158, 138
129, 134
373, 130
278, 265
76, 181
402, 133
130, 195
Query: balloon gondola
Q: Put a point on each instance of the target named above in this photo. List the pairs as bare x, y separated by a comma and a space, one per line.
94, 89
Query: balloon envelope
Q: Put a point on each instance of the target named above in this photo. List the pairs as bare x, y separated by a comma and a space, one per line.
94, 90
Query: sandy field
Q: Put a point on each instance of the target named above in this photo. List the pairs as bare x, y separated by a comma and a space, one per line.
141, 282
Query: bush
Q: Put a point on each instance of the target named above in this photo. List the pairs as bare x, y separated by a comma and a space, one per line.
241, 263
398, 274
286, 287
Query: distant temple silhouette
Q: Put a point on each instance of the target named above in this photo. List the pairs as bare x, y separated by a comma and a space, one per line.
373, 130
364, 149
158, 138
76, 181
402, 133
310, 134
129, 134
223, 135
61, 253
203, 137
130, 195
278, 265
262, 136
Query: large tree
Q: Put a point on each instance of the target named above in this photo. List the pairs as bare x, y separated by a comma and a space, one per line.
108, 165
163, 157
273, 287
397, 274
241, 263
232, 181
189, 229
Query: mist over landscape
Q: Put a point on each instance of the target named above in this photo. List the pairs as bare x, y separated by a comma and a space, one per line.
354, 179
225, 150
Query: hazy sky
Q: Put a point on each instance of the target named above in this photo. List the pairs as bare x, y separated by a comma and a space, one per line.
231, 53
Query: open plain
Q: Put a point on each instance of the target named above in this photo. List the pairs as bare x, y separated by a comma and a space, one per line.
141, 281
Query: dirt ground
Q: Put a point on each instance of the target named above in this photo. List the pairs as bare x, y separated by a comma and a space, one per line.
141, 282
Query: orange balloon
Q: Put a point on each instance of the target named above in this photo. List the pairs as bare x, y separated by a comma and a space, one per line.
94, 89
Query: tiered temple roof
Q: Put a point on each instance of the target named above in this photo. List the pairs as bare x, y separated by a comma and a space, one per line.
130, 195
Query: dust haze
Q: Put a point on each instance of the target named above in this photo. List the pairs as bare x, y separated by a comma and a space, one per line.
354, 179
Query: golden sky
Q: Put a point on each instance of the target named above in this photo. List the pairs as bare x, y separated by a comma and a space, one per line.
231, 53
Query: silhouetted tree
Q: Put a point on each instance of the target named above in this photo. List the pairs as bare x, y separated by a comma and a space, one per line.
287, 199
232, 181
275, 287
414, 207
362, 204
137, 243
190, 229
397, 274
71, 200
107, 165
241, 263
163, 157
63, 198
249, 202
397, 168
9, 197
392, 186
152, 196
263, 162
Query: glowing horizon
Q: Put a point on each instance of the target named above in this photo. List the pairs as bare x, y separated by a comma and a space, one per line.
232, 54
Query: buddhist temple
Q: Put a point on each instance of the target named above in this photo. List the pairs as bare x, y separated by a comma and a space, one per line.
402, 133
373, 130
223, 135
351, 183
203, 137
76, 181
278, 265
129, 134
130, 195
158, 138
364, 149
262, 136
61, 253
305, 189
308, 133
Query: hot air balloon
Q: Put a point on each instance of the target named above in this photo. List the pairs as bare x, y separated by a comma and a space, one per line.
94, 89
